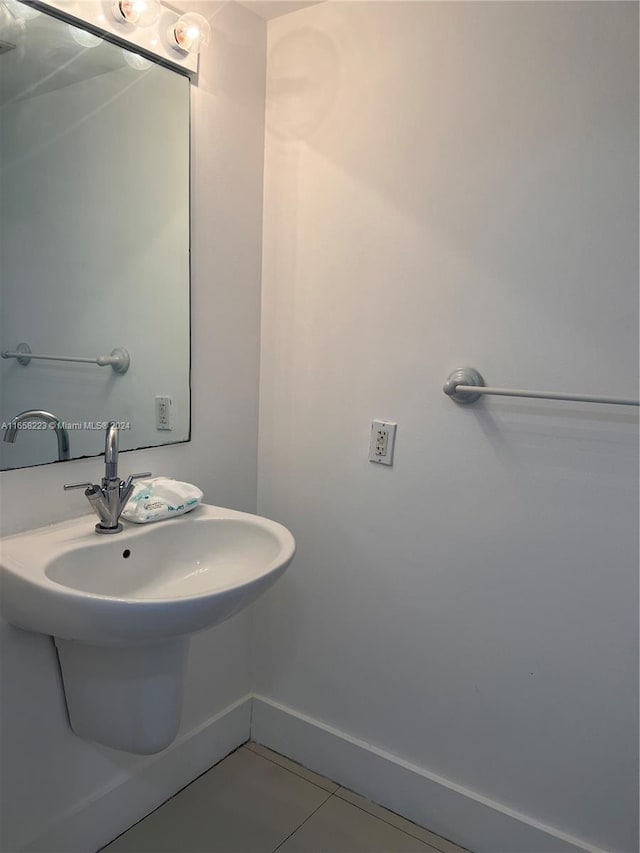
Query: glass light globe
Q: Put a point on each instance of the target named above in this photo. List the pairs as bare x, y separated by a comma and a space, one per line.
136, 61
141, 13
20, 11
190, 33
83, 37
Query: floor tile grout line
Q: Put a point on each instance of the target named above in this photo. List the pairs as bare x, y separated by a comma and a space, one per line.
173, 796
336, 793
323, 803
397, 828
293, 772
330, 794
406, 831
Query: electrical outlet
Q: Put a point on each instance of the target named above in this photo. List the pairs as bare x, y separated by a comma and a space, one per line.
163, 413
382, 442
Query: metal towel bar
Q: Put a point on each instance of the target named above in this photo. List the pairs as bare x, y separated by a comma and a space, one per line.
119, 358
466, 385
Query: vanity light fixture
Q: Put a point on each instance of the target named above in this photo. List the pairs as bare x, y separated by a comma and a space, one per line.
141, 13
190, 33
152, 25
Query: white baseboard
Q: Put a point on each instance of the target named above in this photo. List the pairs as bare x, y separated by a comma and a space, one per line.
104, 814
456, 813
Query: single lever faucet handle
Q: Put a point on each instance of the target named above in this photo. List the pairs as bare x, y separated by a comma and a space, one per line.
69, 486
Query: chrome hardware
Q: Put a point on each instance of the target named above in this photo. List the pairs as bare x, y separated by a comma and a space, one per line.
110, 498
466, 385
52, 422
118, 359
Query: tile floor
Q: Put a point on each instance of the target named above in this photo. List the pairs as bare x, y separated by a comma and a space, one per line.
256, 801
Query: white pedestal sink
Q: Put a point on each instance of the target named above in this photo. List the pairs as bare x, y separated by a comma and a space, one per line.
121, 608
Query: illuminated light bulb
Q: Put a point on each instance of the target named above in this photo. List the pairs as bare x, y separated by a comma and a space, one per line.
136, 61
84, 38
142, 13
190, 33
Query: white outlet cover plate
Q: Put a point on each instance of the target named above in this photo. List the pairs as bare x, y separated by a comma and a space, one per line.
390, 428
163, 404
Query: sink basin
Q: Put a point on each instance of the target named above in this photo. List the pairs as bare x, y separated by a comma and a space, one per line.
121, 608
150, 582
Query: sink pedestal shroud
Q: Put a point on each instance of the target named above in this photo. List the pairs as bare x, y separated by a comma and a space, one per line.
125, 697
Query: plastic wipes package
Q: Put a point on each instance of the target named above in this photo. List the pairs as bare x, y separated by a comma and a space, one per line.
159, 498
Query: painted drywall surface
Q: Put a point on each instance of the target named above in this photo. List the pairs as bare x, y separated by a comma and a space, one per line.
450, 184
45, 768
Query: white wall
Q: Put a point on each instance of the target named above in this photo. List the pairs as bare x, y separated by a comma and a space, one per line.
450, 184
81, 270
45, 768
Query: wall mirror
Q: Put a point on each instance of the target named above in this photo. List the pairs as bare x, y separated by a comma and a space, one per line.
94, 240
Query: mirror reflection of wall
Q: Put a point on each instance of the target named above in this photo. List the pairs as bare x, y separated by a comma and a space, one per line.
94, 237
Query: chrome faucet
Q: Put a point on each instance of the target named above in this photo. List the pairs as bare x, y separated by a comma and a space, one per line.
109, 499
52, 422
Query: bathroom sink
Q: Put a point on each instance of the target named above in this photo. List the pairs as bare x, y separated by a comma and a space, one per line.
121, 608
150, 582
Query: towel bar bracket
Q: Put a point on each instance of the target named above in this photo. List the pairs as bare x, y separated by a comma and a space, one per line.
463, 376
23, 359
